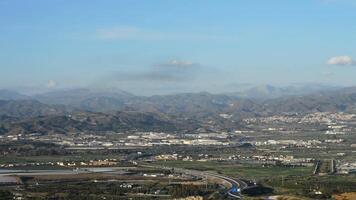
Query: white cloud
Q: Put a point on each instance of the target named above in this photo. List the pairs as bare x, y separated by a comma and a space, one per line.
178, 63
136, 33
341, 60
328, 74
117, 33
51, 84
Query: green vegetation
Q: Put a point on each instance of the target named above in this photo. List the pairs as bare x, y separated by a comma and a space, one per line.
308, 185
80, 189
297, 181
5, 195
240, 170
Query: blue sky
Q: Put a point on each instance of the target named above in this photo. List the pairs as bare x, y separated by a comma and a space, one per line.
172, 46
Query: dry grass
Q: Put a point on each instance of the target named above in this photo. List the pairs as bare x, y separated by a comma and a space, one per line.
345, 196
285, 198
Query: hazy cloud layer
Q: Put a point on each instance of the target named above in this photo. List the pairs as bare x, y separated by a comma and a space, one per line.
341, 61
178, 64
167, 77
328, 74
136, 33
51, 84
119, 33
171, 71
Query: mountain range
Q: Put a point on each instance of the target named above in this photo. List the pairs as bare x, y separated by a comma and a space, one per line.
121, 111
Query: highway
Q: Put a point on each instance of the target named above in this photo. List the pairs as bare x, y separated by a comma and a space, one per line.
234, 190
234, 186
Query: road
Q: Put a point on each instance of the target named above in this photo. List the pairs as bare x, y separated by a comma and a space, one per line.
236, 185
233, 190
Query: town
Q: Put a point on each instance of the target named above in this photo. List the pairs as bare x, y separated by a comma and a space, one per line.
300, 148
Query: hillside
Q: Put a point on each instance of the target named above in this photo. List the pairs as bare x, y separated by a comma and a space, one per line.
93, 122
29, 108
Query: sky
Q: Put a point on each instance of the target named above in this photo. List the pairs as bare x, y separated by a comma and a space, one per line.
160, 46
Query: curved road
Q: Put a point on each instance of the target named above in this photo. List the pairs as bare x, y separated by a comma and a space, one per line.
234, 191
236, 185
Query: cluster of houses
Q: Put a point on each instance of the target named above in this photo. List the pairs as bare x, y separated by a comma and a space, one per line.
90, 163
